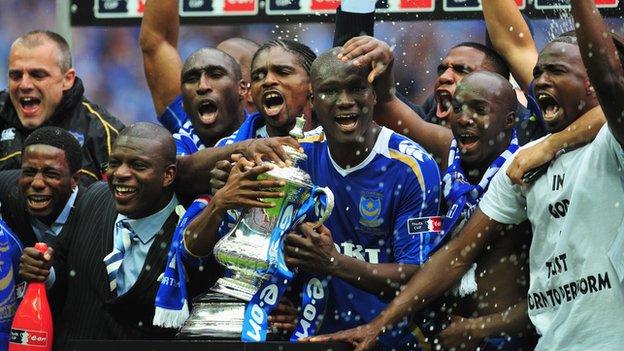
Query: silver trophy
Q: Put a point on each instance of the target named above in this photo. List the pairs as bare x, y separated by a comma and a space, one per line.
244, 252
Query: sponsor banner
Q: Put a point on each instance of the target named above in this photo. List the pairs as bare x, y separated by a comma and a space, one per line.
208, 8
129, 12
565, 4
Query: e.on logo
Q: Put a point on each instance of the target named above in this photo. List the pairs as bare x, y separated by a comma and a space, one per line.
29, 337
37, 338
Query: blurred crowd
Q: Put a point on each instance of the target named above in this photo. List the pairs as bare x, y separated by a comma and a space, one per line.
109, 59
405, 190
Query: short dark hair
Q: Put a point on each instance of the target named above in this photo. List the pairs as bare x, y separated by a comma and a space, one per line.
304, 53
60, 139
492, 58
202, 51
39, 36
570, 38
153, 131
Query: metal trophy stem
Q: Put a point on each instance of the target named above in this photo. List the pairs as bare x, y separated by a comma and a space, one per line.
244, 252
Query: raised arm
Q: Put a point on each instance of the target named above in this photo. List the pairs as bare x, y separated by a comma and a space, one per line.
511, 38
161, 60
580, 132
390, 111
603, 65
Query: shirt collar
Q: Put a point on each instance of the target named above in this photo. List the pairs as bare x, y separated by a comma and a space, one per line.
380, 147
60, 221
147, 227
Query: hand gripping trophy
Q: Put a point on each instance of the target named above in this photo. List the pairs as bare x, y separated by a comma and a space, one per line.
239, 304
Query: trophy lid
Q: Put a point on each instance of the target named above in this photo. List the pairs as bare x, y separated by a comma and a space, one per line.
297, 131
293, 173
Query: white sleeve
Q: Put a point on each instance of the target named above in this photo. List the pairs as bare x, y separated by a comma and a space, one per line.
358, 6
606, 137
503, 201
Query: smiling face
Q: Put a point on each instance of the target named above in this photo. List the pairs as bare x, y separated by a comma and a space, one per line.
212, 93
280, 88
36, 82
561, 85
46, 181
138, 175
482, 118
343, 101
458, 63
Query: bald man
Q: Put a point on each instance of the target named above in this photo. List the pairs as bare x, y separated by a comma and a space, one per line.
200, 101
242, 50
108, 265
489, 303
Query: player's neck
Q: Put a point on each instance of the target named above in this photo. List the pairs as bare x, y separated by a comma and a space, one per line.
474, 172
278, 131
351, 154
210, 140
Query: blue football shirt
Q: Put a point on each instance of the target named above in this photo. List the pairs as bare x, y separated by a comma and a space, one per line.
382, 210
186, 139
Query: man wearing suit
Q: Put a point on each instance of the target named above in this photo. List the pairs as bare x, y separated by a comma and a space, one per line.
108, 266
38, 200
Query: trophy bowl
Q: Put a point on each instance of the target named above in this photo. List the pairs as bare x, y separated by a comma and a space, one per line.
244, 252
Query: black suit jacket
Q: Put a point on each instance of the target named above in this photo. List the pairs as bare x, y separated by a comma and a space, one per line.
14, 209
91, 311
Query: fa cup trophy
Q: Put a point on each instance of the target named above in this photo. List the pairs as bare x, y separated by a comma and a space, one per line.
252, 251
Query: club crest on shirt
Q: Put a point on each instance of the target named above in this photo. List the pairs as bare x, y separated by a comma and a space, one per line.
370, 209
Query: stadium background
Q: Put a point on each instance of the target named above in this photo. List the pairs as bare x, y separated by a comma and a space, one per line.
108, 59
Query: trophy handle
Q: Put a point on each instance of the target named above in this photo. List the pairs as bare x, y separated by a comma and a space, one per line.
325, 205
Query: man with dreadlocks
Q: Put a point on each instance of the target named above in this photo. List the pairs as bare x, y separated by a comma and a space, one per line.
280, 89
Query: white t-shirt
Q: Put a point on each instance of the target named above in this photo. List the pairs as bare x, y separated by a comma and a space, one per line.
576, 210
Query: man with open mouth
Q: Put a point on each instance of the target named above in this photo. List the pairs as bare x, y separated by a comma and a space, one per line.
386, 189
108, 264
38, 201
574, 277
280, 89
460, 60
44, 90
199, 101
481, 137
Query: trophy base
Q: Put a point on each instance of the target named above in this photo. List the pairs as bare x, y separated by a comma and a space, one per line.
216, 316
235, 288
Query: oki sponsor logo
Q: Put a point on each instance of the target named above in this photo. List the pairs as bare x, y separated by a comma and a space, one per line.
359, 252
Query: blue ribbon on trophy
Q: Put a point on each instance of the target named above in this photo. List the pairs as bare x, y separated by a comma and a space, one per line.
255, 323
